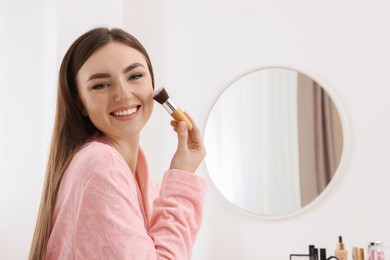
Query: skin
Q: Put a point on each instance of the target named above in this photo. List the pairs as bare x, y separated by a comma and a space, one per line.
116, 79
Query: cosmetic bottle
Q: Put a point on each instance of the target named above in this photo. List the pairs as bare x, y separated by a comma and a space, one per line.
322, 254
357, 253
375, 251
313, 252
360, 254
354, 253
340, 251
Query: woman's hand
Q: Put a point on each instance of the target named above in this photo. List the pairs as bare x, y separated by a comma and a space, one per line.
190, 149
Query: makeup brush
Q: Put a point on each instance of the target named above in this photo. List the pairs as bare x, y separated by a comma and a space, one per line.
162, 97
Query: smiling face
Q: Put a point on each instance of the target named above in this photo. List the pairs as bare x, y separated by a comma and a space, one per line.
115, 89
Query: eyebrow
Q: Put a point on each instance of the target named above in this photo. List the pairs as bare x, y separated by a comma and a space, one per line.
131, 67
107, 75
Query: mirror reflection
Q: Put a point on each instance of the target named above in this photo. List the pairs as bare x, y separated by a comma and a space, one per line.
274, 141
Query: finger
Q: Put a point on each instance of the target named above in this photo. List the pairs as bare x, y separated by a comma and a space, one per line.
195, 131
182, 134
174, 124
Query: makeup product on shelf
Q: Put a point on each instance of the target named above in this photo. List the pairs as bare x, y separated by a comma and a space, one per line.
375, 251
340, 251
357, 253
322, 254
354, 253
313, 252
162, 97
360, 254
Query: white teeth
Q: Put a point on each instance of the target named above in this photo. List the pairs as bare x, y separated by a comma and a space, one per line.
125, 112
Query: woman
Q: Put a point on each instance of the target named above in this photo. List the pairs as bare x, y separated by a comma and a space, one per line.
99, 201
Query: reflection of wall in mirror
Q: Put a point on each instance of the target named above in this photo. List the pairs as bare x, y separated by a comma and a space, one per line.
251, 135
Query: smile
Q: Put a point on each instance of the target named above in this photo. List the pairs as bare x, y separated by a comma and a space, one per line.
125, 112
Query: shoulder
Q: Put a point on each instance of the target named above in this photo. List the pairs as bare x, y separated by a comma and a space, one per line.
93, 148
97, 152
94, 157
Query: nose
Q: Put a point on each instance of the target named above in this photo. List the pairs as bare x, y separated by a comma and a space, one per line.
123, 92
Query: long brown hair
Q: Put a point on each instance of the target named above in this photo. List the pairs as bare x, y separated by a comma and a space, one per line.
71, 128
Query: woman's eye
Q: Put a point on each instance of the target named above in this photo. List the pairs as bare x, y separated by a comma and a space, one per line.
100, 86
135, 76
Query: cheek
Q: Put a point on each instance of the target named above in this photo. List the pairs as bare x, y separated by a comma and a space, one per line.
149, 102
148, 96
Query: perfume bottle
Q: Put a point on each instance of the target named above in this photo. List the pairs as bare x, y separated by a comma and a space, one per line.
375, 251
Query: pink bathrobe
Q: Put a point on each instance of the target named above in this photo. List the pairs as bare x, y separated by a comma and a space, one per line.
102, 213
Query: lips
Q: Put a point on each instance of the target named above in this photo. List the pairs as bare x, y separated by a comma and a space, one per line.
122, 112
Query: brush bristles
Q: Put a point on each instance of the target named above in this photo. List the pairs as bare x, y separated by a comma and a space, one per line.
160, 95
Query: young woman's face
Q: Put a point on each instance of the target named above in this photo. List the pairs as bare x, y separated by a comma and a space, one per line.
116, 91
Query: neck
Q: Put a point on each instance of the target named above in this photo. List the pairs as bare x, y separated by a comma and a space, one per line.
128, 149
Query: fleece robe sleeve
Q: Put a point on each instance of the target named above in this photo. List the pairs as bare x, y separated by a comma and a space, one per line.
111, 223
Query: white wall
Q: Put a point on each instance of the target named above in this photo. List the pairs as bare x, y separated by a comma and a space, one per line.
76, 17
27, 66
198, 48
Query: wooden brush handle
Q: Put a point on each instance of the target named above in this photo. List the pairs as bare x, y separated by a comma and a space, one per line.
178, 115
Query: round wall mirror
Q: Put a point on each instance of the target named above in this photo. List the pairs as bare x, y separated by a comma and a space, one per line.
274, 141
